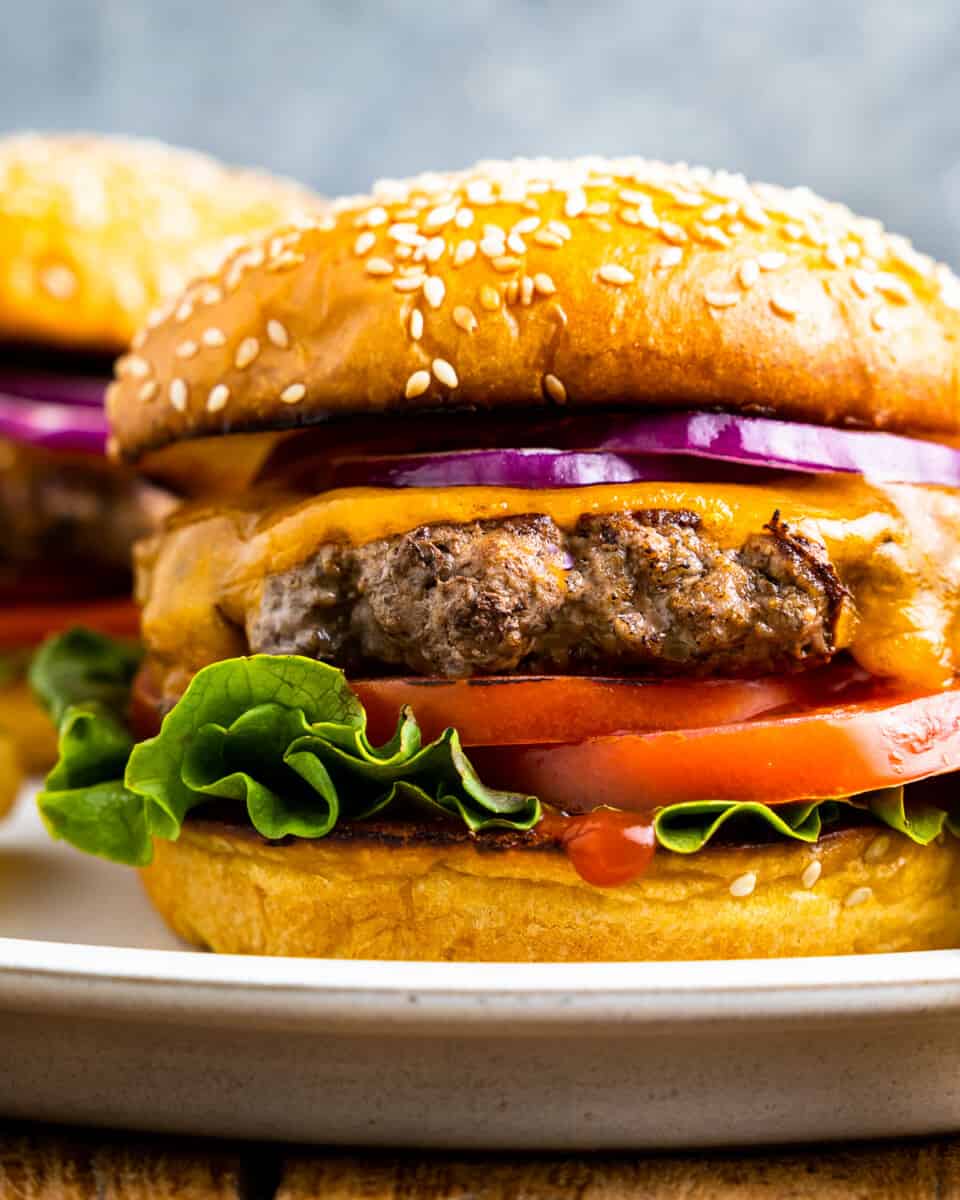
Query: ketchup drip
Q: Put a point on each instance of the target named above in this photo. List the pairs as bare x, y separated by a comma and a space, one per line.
606, 847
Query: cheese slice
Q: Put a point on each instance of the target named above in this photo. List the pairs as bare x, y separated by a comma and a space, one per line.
897, 548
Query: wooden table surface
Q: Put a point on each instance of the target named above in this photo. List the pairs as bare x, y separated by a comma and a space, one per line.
37, 1163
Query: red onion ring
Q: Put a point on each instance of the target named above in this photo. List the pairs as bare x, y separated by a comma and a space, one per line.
530, 468
666, 447
53, 426
789, 446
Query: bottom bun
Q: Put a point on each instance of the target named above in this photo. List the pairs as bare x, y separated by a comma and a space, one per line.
424, 895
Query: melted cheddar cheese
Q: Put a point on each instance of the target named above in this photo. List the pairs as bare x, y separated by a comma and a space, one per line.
896, 548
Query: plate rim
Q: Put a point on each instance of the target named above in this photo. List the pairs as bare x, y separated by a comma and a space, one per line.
189, 986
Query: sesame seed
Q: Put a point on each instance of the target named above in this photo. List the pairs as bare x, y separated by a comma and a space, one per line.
416, 324
526, 290
671, 257
772, 260
893, 287
440, 216
877, 848
748, 273
489, 298
629, 216
133, 365
149, 390
59, 282
673, 233
511, 292
464, 317
218, 398
376, 216
178, 394
506, 263
278, 335
464, 252
743, 885
184, 312
545, 237
575, 203
555, 389
479, 192
379, 266
615, 274
492, 246
365, 242
406, 233
286, 261
794, 231
811, 873
862, 282
408, 283
710, 233
631, 196
561, 229
433, 250
713, 213
516, 243
211, 295
688, 199
293, 394
186, 349
213, 337
881, 318
833, 256
434, 290
721, 299
784, 306
247, 351
445, 373
138, 340
544, 284
417, 384
526, 225
464, 218
754, 215
858, 896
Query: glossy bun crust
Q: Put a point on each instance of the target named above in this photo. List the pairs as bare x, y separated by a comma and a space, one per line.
577, 284
95, 231
225, 889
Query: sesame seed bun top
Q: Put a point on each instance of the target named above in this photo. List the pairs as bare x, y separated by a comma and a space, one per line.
581, 283
95, 231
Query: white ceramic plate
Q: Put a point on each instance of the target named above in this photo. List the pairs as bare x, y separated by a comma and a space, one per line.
104, 1020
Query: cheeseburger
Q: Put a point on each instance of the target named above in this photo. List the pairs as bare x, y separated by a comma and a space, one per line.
93, 233
590, 590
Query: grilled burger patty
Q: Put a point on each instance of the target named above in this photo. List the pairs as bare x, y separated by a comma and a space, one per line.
62, 509
647, 591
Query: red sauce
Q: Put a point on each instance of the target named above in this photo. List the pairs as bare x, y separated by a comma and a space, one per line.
606, 847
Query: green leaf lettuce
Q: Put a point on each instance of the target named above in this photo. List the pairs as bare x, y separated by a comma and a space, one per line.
282, 735
285, 738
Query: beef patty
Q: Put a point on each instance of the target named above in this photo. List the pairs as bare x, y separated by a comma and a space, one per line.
646, 592
65, 515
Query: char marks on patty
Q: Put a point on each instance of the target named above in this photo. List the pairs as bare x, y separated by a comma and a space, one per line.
647, 592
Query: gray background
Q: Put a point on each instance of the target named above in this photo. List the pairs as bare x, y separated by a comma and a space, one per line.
860, 99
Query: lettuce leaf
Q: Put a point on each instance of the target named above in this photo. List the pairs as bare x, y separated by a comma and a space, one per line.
282, 735
285, 738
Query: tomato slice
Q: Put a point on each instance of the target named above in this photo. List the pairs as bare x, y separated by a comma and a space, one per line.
832, 752
28, 625
521, 709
